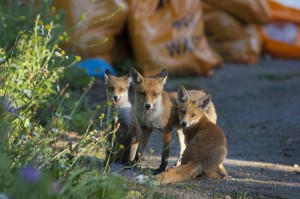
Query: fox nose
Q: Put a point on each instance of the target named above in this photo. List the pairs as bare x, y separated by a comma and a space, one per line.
116, 97
183, 124
148, 106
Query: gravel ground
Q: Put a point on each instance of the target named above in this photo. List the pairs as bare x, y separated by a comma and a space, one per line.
258, 108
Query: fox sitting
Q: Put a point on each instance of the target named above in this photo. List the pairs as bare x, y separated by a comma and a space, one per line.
206, 142
154, 108
120, 109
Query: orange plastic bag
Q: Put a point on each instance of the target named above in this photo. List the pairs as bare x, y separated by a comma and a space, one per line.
169, 34
250, 11
93, 25
283, 40
233, 40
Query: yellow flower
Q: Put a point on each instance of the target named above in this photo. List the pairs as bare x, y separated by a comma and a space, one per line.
48, 27
63, 52
78, 58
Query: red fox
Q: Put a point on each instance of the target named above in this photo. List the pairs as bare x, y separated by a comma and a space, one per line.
154, 108
117, 94
206, 142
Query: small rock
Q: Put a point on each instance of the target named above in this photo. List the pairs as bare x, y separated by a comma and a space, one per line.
296, 166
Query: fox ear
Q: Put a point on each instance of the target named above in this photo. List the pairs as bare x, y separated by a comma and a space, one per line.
129, 80
204, 101
107, 75
164, 76
136, 76
182, 95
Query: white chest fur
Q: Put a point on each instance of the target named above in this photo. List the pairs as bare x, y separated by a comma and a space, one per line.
123, 111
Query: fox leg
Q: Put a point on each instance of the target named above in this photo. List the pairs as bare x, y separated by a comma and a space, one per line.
181, 139
145, 134
166, 137
222, 171
180, 173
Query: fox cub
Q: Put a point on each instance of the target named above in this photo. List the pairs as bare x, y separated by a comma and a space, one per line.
154, 108
206, 142
120, 109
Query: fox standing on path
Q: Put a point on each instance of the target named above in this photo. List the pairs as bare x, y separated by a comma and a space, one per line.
154, 108
206, 142
117, 94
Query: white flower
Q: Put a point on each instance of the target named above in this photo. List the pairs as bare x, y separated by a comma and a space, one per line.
67, 117
58, 54
27, 93
54, 130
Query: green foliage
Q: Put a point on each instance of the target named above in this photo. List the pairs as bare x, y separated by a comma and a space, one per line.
38, 109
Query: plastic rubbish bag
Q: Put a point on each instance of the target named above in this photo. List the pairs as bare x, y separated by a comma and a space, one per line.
169, 34
232, 39
92, 25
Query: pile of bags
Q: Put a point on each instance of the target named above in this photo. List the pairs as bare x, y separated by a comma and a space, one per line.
188, 37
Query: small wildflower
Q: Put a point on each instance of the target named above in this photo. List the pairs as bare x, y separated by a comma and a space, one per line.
58, 54
66, 96
78, 58
58, 88
134, 195
21, 117
67, 57
27, 93
27, 124
63, 52
31, 174
48, 27
121, 146
54, 130
57, 114
60, 37
67, 117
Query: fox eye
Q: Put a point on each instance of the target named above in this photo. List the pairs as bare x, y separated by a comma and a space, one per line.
121, 89
111, 88
182, 112
193, 115
142, 93
155, 94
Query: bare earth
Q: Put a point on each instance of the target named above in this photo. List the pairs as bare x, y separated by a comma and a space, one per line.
258, 108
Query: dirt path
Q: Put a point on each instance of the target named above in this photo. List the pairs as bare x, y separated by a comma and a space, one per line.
258, 108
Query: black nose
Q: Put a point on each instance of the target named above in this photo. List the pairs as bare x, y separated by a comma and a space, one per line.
116, 97
148, 106
183, 124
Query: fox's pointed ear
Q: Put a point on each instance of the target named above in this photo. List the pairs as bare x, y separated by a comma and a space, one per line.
163, 76
182, 95
128, 79
136, 76
107, 75
204, 101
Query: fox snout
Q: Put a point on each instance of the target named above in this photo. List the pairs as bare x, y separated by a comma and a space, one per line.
183, 124
148, 106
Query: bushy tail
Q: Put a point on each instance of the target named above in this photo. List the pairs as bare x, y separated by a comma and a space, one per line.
180, 174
